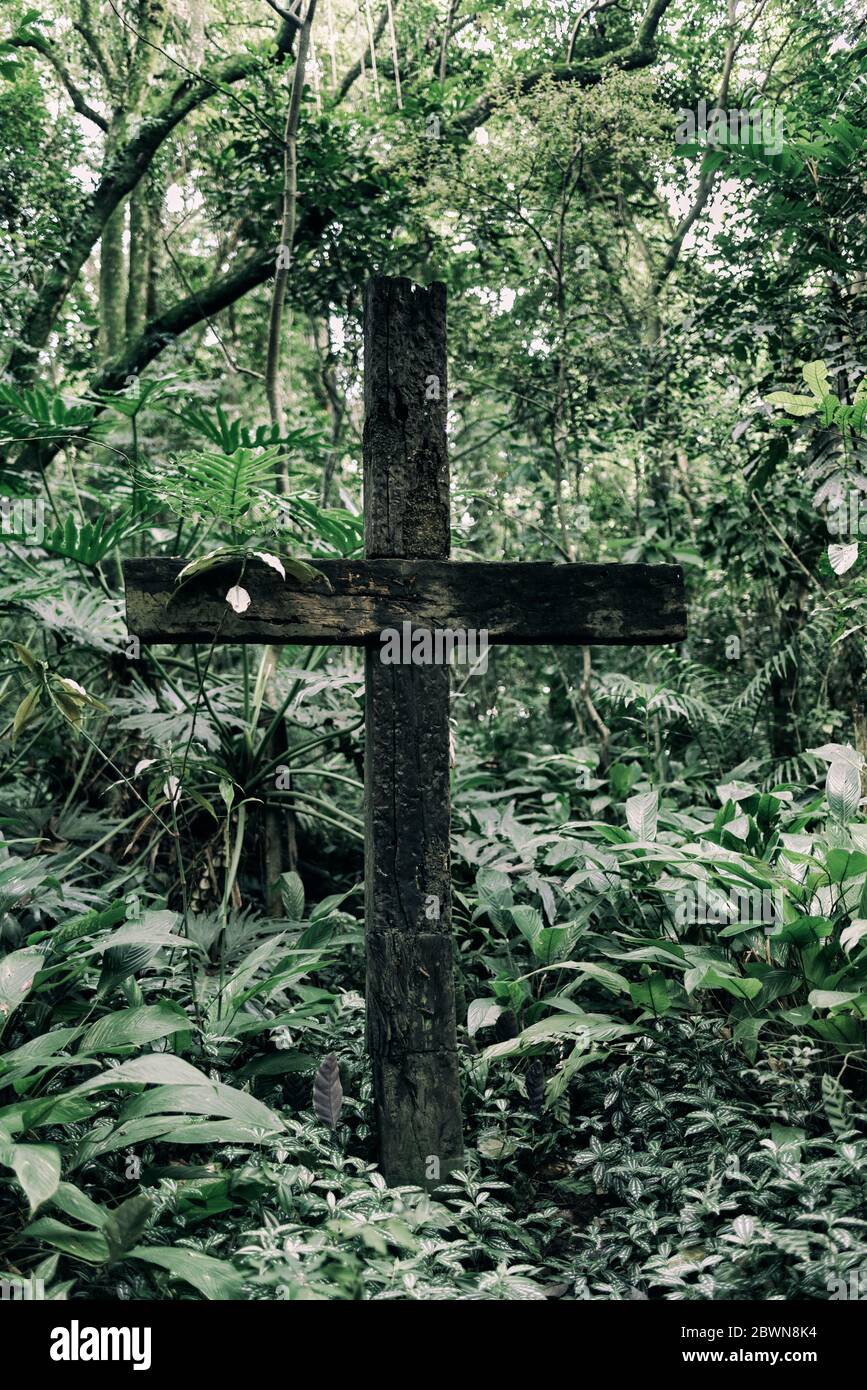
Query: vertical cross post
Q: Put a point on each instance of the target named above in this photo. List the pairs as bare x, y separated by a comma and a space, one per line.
411, 1027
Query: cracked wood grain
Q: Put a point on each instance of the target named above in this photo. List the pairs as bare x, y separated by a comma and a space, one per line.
411, 1030
527, 603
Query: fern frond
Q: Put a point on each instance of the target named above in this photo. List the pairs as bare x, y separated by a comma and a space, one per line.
225, 488
90, 541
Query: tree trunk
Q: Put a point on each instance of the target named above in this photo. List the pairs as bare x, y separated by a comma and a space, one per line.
139, 262
112, 286
156, 250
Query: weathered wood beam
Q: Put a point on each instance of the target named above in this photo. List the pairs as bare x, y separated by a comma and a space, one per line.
411, 1022
516, 603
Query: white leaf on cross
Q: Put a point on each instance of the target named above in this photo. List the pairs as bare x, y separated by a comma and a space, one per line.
238, 599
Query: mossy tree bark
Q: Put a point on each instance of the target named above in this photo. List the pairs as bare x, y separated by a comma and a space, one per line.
139, 262
112, 285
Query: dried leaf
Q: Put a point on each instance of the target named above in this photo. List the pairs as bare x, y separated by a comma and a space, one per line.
207, 562
25, 656
842, 557
172, 790
271, 560
238, 599
328, 1092
535, 1086
25, 711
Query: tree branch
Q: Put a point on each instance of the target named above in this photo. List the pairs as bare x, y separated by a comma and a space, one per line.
284, 14
85, 28
204, 304
706, 181
287, 223
596, 8
74, 92
638, 54
121, 173
354, 72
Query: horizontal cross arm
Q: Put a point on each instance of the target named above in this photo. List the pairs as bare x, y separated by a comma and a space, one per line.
353, 601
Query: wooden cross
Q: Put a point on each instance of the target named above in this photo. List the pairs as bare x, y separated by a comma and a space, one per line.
407, 576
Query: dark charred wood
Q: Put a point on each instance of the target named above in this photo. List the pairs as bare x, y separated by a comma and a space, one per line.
355, 600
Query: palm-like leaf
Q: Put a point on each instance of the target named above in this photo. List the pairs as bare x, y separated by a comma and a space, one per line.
91, 541
39, 414
222, 487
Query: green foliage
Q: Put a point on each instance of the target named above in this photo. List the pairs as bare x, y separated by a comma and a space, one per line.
224, 488
90, 542
659, 856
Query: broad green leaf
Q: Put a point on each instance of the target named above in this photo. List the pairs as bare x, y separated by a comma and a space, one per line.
793, 405
495, 894
611, 979
159, 1068
213, 1099
75, 1203
622, 778
119, 962
32, 1056
652, 994
618, 984
277, 1064
62, 1109
26, 657
143, 933
292, 895
203, 563
843, 790
830, 998
580, 1057
90, 1246
838, 753
134, 1027
843, 864
642, 813
815, 375
528, 920
803, 931
106, 1139
37, 1168
746, 1032
217, 1132
482, 1013
215, 1279
853, 934
304, 573
736, 985
836, 1099
735, 791
123, 1226
26, 710
17, 972
597, 1028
